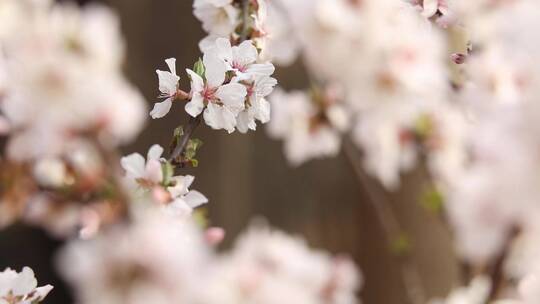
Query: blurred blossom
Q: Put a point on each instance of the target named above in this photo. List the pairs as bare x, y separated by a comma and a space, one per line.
310, 127
166, 260
476, 293
65, 72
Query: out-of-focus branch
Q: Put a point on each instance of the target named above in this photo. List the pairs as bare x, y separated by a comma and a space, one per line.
497, 269
390, 224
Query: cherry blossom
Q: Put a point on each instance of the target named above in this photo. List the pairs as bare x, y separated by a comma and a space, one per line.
168, 86
221, 102
21, 287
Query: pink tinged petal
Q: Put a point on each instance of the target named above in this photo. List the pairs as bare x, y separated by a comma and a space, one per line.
245, 53
215, 70
195, 199
24, 283
233, 96
214, 235
155, 152
195, 107
224, 49
134, 165
197, 83
168, 83
153, 171
218, 117
161, 109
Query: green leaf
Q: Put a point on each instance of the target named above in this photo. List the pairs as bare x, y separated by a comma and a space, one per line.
199, 68
192, 148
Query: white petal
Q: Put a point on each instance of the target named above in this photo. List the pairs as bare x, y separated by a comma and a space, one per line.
264, 86
7, 277
233, 96
245, 53
245, 121
215, 69
181, 186
262, 110
161, 108
224, 49
197, 83
195, 199
261, 69
171, 62
40, 293
168, 82
155, 152
25, 282
218, 117
153, 171
134, 165
195, 106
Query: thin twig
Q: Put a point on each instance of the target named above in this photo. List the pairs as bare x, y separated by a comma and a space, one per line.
390, 224
181, 145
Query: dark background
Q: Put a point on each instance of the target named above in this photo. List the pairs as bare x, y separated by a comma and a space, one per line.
247, 175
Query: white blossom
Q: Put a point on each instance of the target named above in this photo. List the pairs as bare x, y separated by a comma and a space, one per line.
21, 287
168, 86
221, 102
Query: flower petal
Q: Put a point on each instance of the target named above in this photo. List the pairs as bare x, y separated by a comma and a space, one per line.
161, 109
195, 106
195, 199
171, 62
215, 69
197, 83
25, 282
168, 82
261, 69
245, 53
134, 165
233, 96
155, 152
219, 117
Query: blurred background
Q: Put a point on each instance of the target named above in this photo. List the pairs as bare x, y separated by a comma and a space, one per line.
247, 176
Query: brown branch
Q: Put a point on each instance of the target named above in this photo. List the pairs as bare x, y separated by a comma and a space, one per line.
181, 145
387, 218
497, 270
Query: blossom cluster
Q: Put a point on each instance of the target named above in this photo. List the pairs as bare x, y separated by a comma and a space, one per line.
230, 84
265, 266
65, 108
130, 230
